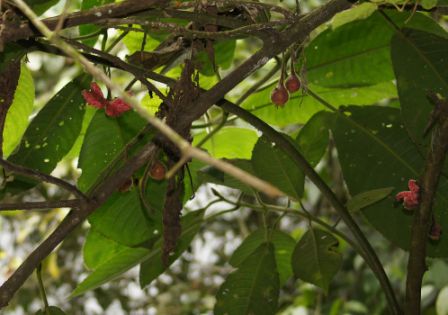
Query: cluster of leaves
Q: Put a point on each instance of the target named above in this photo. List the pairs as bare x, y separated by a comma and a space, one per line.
372, 74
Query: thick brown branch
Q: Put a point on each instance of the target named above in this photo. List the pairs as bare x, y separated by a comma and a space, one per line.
422, 217
30, 173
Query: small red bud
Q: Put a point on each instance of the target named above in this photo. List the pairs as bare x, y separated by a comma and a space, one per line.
435, 232
292, 83
279, 95
157, 171
126, 185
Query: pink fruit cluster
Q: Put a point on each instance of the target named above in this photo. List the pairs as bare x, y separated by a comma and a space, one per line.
410, 198
95, 98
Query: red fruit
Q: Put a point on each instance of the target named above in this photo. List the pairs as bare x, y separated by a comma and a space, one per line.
279, 95
157, 171
292, 83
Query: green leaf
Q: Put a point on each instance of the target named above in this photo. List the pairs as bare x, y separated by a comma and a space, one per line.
368, 198
357, 12
209, 174
229, 142
122, 219
40, 6
52, 133
316, 258
253, 288
129, 257
301, 107
98, 249
358, 53
105, 138
133, 41
374, 150
153, 267
421, 66
21, 108
52, 310
86, 29
224, 52
273, 165
313, 138
283, 243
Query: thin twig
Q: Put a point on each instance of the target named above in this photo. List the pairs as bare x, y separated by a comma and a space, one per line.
30, 173
422, 217
41, 205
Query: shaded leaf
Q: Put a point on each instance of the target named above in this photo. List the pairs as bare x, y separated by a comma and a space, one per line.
316, 258
421, 67
153, 267
210, 174
52, 310
275, 166
253, 288
283, 245
224, 52
368, 198
313, 138
358, 53
129, 257
374, 150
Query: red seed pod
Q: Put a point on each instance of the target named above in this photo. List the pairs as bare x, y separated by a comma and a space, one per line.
292, 83
435, 232
157, 171
279, 95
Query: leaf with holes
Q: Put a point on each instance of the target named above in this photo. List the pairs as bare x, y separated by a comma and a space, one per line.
52, 133
128, 257
374, 150
253, 288
283, 244
273, 165
121, 217
368, 198
316, 258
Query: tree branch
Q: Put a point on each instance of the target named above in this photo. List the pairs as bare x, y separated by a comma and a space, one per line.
30, 173
72, 203
114, 10
422, 217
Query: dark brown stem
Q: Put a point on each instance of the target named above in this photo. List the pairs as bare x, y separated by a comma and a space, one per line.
41, 205
30, 173
422, 217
